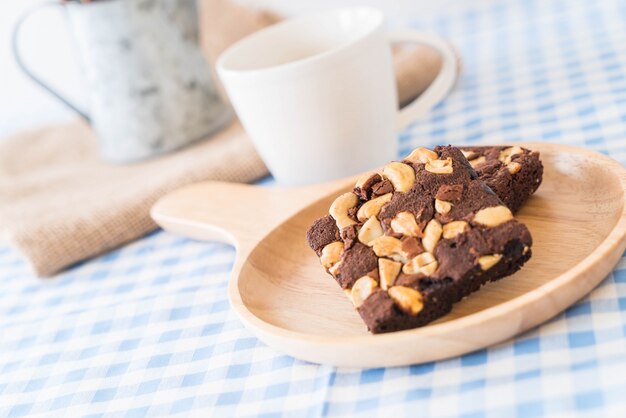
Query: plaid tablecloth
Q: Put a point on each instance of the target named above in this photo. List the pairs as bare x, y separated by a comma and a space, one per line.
147, 330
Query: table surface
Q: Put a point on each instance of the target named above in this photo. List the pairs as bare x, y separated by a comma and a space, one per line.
147, 330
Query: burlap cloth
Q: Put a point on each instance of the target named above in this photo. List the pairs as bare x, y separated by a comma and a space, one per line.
60, 204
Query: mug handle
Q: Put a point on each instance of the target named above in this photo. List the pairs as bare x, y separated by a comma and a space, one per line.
439, 87
20, 62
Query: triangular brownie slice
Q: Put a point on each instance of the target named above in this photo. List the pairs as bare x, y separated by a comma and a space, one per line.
410, 241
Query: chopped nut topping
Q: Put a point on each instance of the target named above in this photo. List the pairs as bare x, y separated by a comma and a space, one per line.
334, 269
424, 263
421, 156
408, 299
488, 261
404, 223
477, 161
400, 175
513, 167
443, 207
372, 207
370, 230
331, 254
439, 166
508, 153
387, 246
339, 209
493, 216
470, 155
429, 269
362, 288
388, 271
432, 234
452, 229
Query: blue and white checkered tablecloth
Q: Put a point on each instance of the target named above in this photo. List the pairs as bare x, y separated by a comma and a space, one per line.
147, 330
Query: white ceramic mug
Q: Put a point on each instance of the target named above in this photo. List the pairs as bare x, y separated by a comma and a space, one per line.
317, 93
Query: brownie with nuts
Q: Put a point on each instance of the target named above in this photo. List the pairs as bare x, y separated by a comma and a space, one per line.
411, 240
513, 173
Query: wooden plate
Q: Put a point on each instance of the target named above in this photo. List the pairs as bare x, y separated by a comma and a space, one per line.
282, 294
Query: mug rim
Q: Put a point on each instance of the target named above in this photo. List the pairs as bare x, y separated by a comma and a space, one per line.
240, 46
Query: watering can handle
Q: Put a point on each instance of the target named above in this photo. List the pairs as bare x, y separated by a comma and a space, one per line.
17, 29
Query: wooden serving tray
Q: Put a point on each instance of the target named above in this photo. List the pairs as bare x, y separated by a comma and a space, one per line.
282, 294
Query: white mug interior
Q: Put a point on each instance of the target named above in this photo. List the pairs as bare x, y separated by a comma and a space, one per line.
301, 40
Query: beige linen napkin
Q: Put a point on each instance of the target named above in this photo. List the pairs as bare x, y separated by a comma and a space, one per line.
60, 204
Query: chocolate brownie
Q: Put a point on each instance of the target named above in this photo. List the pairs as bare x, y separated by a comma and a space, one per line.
513, 173
322, 232
410, 241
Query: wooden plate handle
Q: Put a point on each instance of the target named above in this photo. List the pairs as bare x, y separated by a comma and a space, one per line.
233, 213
